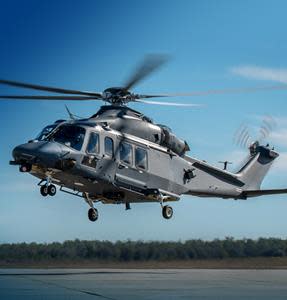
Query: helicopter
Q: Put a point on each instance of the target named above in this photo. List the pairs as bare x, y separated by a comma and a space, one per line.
120, 156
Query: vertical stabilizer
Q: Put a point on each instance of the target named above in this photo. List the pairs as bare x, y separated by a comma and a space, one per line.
257, 166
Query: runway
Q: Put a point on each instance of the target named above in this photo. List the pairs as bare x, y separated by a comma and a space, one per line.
117, 284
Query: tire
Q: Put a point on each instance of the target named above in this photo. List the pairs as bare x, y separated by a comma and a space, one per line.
93, 214
52, 190
167, 212
44, 190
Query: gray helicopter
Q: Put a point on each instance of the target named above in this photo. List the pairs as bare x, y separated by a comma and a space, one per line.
120, 156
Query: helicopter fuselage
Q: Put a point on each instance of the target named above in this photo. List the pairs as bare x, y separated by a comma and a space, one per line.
120, 156
106, 161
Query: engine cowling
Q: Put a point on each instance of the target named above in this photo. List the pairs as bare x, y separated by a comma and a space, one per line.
172, 142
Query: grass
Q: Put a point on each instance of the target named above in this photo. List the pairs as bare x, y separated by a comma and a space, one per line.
228, 263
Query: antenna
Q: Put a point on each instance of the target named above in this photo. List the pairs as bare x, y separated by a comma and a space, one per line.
225, 163
71, 116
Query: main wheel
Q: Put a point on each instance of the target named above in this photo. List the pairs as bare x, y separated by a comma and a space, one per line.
93, 214
52, 190
167, 212
44, 190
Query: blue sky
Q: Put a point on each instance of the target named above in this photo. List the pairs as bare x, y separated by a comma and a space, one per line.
93, 45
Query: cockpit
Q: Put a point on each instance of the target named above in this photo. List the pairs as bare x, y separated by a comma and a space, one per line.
48, 130
45, 132
69, 135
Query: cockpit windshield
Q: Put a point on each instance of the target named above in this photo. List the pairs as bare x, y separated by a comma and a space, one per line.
45, 132
70, 135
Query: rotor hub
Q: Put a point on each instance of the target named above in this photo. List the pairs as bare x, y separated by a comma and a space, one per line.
117, 95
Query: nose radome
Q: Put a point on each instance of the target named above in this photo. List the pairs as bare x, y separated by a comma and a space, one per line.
24, 152
41, 151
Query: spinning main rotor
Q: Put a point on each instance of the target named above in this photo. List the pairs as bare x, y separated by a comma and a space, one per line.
114, 95
123, 95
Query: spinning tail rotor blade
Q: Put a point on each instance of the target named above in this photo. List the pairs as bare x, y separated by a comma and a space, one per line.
243, 137
48, 89
267, 126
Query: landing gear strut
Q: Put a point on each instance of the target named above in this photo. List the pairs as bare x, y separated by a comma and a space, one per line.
93, 213
167, 212
48, 188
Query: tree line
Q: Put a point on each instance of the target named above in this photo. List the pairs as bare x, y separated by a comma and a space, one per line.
125, 251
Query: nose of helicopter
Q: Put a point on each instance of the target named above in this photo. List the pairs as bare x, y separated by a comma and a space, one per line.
43, 152
24, 152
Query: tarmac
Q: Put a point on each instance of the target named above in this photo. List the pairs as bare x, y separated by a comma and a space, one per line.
117, 284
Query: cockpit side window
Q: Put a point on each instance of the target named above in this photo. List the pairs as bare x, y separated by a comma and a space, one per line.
141, 158
93, 144
70, 135
126, 153
109, 146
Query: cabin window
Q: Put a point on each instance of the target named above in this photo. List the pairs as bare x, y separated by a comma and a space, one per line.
126, 153
109, 146
93, 144
141, 158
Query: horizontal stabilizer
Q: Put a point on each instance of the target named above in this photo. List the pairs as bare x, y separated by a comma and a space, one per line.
257, 193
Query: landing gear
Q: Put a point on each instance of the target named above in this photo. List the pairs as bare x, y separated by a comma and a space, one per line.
48, 188
93, 214
167, 212
44, 190
52, 190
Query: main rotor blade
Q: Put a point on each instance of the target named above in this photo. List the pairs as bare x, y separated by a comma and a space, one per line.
151, 96
222, 91
211, 92
47, 88
75, 98
169, 103
149, 65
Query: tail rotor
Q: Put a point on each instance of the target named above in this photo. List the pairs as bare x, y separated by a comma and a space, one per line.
244, 139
